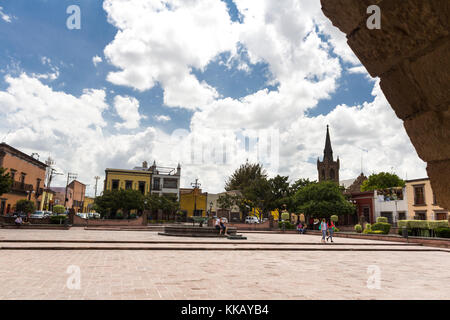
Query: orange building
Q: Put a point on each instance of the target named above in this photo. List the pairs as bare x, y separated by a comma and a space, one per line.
28, 176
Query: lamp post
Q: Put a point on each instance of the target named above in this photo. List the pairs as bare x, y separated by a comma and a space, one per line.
210, 208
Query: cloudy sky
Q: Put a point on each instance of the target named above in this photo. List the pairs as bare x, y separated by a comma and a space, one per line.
204, 83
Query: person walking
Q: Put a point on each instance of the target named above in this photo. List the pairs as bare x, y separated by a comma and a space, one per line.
330, 227
323, 227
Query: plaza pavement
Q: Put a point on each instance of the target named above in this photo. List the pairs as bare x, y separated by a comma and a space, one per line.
144, 265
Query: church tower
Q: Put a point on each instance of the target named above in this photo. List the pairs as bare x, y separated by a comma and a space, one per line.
328, 169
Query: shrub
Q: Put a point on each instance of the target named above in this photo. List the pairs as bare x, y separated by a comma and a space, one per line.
385, 227
382, 219
358, 228
442, 232
287, 225
368, 228
377, 232
334, 218
423, 224
119, 215
58, 209
25, 206
133, 216
58, 219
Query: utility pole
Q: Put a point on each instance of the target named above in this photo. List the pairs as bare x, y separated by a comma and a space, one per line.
96, 182
69, 176
196, 186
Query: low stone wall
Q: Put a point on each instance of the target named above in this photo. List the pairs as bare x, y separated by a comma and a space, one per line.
252, 226
140, 221
10, 220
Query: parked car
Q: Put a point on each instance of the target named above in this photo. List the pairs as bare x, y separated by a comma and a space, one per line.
251, 219
82, 215
39, 215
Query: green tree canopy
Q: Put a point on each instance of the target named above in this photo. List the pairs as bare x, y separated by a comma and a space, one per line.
244, 176
113, 200
382, 180
25, 206
58, 209
322, 200
225, 201
5, 181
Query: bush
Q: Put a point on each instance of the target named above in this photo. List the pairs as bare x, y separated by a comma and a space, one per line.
377, 232
132, 216
382, 219
25, 206
334, 218
287, 225
368, 228
119, 215
423, 224
58, 209
442, 232
382, 226
58, 219
358, 228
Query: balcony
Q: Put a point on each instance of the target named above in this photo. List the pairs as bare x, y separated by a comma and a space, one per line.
21, 187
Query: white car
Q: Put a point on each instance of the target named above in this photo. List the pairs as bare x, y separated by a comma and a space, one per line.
39, 215
251, 219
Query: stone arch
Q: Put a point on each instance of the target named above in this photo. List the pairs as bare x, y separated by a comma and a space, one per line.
413, 67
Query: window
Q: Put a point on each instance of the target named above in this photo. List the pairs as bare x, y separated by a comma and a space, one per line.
387, 215
115, 185
170, 183
323, 174
332, 174
420, 215
401, 216
441, 216
128, 185
366, 213
156, 184
142, 187
419, 197
13, 174
22, 177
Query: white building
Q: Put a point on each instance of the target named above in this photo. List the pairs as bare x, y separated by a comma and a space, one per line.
165, 180
392, 205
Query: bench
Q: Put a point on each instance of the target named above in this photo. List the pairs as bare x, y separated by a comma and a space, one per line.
192, 231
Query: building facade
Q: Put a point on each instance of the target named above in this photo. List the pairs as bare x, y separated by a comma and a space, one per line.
232, 214
165, 180
122, 179
328, 169
28, 175
391, 204
78, 194
422, 202
193, 202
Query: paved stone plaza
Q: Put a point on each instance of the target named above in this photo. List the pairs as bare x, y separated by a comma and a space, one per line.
267, 266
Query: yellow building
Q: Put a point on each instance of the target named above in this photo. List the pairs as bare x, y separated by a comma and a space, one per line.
117, 179
422, 202
47, 200
191, 199
87, 205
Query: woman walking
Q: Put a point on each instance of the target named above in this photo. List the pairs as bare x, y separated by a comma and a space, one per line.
323, 227
331, 228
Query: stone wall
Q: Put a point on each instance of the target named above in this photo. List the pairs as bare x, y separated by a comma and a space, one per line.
411, 55
140, 221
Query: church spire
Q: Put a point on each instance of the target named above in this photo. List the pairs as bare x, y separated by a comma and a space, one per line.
328, 151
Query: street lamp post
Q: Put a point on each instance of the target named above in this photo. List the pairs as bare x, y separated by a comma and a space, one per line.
210, 208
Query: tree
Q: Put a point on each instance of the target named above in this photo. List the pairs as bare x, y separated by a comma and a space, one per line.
25, 206
382, 180
226, 202
260, 196
113, 200
280, 193
322, 200
244, 176
58, 209
5, 181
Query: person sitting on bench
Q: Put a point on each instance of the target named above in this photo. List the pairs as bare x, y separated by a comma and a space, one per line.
217, 225
223, 227
18, 221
